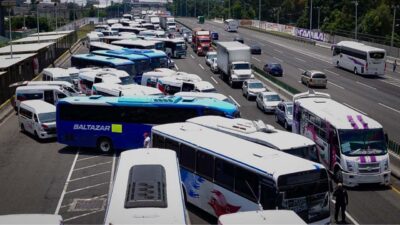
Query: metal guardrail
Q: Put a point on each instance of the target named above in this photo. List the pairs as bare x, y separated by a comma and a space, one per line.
394, 147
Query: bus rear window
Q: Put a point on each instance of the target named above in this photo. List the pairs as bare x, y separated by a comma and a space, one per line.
376, 55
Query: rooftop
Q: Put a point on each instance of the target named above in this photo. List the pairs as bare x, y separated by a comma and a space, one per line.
6, 61
24, 48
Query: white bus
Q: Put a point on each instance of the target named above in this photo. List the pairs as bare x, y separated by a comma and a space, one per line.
224, 174
231, 25
147, 189
351, 145
263, 217
359, 58
260, 133
107, 89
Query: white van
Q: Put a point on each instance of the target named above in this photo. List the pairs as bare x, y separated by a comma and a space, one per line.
204, 86
47, 93
56, 74
106, 89
173, 84
190, 94
150, 78
38, 118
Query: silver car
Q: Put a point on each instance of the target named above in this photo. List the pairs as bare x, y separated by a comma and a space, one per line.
284, 114
209, 57
268, 101
252, 87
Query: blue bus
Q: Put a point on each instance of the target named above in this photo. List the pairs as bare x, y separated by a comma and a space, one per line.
158, 59
109, 123
92, 60
142, 63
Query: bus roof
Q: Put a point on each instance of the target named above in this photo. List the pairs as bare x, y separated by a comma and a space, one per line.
174, 213
337, 114
255, 131
146, 52
145, 43
359, 46
127, 90
178, 79
261, 217
258, 158
151, 101
121, 54
113, 60
192, 94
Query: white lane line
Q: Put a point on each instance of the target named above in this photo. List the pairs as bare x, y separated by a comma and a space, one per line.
82, 215
92, 157
96, 197
348, 215
344, 103
85, 188
234, 101
301, 69
86, 167
384, 81
66, 184
176, 67
212, 78
201, 66
280, 60
93, 175
392, 77
256, 59
388, 107
278, 51
111, 177
332, 72
302, 60
336, 85
192, 56
365, 85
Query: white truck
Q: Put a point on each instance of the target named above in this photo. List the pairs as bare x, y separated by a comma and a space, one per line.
168, 23
155, 20
234, 62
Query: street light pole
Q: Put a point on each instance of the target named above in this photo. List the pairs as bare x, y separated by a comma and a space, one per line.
229, 10
37, 20
310, 18
208, 9
319, 10
259, 13
9, 24
355, 31
393, 25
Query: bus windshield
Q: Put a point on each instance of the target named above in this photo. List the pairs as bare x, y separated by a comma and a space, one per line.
180, 46
130, 69
376, 55
362, 142
307, 152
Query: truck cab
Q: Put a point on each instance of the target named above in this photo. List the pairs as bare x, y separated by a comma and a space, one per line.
201, 42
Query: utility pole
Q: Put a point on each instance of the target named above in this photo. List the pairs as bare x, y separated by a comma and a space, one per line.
186, 9
319, 9
311, 17
37, 20
229, 9
355, 31
9, 4
208, 8
195, 8
259, 13
393, 25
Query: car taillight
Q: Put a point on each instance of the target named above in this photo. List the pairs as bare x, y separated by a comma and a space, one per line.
45, 126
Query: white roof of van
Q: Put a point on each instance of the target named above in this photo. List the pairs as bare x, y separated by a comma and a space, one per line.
39, 105
177, 79
25, 48
204, 85
6, 61
57, 72
257, 157
37, 87
31, 219
261, 217
254, 131
334, 112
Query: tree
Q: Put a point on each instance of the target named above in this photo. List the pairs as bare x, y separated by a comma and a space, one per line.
377, 21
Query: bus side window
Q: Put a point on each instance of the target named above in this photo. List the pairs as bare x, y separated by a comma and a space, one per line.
187, 157
268, 196
157, 141
205, 165
224, 174
173, 145
246, 184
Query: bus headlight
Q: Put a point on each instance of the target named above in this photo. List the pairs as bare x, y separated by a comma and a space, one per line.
350, 167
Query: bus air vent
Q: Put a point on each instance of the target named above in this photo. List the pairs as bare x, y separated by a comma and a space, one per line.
146, 187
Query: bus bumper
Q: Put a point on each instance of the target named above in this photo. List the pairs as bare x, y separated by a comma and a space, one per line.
352, 179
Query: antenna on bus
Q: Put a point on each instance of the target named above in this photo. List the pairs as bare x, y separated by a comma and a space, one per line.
254, 195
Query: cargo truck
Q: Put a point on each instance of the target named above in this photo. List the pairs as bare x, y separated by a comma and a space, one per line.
168, 23
234, 62
201, 41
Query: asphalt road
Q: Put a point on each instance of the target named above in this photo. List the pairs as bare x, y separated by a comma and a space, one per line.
47, 177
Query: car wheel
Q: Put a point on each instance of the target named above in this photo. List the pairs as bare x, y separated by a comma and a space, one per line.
247, 96
308, 84
230, 82
104, 145
258, 106
22, 128
355, 71
286, 126
36, 135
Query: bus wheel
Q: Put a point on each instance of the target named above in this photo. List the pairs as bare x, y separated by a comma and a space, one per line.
338, 175
337, 63
355, 71
104, 145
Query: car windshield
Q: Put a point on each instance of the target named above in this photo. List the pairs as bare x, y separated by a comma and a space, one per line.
289, 110
180, 46
255, 47
362, 142
242, 66
47, 117
256, 85
204, 40
272, 98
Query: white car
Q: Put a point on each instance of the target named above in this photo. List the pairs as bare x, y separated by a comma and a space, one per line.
214, 66
268, 101
209, 57
252, 87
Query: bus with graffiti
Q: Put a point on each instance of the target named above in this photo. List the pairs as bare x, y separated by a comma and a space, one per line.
224, 174
351, 145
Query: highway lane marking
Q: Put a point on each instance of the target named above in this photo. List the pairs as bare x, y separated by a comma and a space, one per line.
301, 69
344, 103
398, 111
393, 78
234, 101
366, 85
300, 59
201, 66
256, 59
93, 175
212, 78
348, 215
336, 85
96, 197
280, 60
66, 184
82, 215
332, 72
112, 175
176, 67
384, 81
92, 157
85, 188
192, 56
86, 167
278, 51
